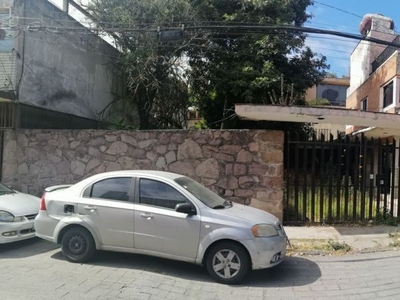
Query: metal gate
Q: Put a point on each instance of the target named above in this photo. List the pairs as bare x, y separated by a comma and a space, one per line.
7, 121
7, 115
1, 152
341, 180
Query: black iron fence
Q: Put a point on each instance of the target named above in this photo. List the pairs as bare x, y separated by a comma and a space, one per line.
18, 115
1, 152
7, 115
343, 180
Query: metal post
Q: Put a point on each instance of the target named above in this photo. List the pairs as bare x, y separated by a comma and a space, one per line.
65, 5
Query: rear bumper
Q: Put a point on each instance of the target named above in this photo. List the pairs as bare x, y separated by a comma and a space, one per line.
17, 231
45, 226
45, 237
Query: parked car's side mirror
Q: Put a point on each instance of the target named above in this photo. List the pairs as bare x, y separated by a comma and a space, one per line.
185, 208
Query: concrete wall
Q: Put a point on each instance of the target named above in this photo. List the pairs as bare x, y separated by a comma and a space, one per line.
360, 65
366, 52
336, 83
372, 88
243, 166
317, 91
66, 71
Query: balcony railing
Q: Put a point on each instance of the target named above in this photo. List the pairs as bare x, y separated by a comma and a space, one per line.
385, 55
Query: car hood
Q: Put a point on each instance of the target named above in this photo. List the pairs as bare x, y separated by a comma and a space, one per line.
249, 214
19, 204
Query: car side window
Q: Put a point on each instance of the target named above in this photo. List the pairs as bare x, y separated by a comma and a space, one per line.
112, 189
156, 193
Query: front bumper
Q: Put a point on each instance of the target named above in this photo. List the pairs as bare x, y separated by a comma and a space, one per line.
266, 252
16, 231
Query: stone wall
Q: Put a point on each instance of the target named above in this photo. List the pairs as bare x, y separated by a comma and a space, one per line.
245, 166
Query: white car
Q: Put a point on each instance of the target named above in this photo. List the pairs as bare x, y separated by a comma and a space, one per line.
17, 215
161, 214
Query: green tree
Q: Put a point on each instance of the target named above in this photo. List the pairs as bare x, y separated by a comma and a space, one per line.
238, 66
227, 65
155, 77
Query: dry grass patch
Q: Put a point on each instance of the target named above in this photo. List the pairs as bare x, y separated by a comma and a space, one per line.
318, 246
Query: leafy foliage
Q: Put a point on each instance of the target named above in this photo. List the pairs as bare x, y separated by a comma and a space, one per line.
386, 217
318, 101
222, 61
239, 66
155, 78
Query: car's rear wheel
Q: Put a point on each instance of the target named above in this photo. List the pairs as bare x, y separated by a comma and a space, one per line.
228, 262
77, 245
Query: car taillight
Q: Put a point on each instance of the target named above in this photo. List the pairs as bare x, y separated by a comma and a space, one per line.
42, 202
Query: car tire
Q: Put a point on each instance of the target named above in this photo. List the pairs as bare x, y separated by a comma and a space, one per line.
77, 245
228, 262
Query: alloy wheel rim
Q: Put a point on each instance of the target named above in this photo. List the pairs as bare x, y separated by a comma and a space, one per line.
226, 263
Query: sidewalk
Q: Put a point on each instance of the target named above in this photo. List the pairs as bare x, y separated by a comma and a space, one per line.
360, 239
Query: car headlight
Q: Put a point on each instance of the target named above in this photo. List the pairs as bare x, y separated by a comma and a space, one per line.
264, 230
5, 216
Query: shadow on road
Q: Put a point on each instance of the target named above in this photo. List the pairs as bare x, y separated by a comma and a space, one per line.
342, 230
293, 271
26, 248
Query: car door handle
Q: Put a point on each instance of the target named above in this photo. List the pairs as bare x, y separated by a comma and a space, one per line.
147, 216
90, 208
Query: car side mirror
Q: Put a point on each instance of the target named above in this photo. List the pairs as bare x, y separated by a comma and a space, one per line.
185, 208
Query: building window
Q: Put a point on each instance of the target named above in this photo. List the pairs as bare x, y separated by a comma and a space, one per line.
335, 94
364, 104
6, 34
388, 95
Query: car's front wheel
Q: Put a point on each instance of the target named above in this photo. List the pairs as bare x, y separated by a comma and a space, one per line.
77, 245
228, 262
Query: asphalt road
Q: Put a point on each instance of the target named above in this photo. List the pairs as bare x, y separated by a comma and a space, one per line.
36, 269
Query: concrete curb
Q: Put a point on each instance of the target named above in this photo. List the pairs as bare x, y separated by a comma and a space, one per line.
368, 239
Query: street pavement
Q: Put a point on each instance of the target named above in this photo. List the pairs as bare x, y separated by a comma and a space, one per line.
36, 269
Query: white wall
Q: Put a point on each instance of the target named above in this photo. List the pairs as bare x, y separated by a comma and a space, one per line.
360, 65
366, 52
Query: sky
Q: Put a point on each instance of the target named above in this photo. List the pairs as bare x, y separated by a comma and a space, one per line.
337, 49
338, 15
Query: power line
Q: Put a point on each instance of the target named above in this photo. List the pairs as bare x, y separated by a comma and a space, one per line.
216, 49
339, 9
275, 33
225, 29
342, 10
36, 26
333, 26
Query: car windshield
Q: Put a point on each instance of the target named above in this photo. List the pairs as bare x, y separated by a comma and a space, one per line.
202, 193
5, 190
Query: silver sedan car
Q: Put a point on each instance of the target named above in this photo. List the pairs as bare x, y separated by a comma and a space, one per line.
17, 215
161, 214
